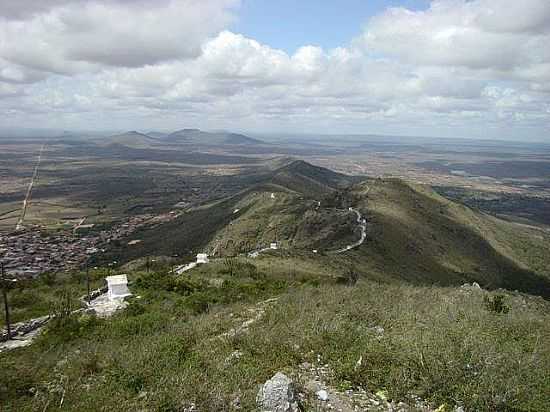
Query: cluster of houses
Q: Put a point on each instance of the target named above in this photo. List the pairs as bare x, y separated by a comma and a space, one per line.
29, 253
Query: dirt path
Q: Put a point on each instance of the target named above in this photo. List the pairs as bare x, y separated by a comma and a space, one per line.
362, 226
27, 199
257, 312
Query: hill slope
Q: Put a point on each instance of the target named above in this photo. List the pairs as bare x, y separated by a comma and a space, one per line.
199, 137
281, 206
132, 139
309, 180
419, 236
413, 234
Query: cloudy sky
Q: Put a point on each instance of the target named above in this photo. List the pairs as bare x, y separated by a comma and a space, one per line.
476, 68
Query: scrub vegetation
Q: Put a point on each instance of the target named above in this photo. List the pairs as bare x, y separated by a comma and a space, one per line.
173, 345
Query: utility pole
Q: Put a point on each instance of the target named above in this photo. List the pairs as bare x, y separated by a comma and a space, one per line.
88, 281
6, 305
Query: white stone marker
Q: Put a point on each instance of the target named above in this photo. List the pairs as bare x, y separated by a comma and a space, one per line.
118, 287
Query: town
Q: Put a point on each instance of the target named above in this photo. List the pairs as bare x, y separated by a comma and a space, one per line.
31, 252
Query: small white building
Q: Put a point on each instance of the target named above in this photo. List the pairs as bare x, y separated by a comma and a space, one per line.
273, 246
117, 287
202, 258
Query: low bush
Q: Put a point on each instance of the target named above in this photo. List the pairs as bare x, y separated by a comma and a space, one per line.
496, 304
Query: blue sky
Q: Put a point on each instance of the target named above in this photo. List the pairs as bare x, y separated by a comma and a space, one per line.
290, 24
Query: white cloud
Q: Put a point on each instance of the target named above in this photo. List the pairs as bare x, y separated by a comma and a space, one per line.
75, 37
459, 65
480, 34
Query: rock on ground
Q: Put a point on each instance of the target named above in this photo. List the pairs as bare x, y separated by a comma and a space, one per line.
278, 395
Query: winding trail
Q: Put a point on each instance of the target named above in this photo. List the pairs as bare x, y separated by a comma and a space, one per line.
27, 199
361, 221
363, 226
184, 268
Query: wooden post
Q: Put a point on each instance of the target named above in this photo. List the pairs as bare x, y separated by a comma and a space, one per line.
6, 305
88, 282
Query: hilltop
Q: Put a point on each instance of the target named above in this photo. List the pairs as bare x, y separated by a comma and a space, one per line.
199, 137
414, 235
132, 139
184, 137
281, 205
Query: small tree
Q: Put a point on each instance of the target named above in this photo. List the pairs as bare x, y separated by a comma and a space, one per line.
496, 304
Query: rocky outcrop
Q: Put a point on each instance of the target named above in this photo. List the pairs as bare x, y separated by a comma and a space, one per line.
22, 328
93, 295
278, 395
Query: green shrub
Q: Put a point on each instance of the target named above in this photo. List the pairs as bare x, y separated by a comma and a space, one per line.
48, 278
134, 309
199, 302
90, 364
496, 304
158, 281
72, 326
25, 297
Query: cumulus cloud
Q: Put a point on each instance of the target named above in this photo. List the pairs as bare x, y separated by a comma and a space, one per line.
479, 34
72, 37
473, 63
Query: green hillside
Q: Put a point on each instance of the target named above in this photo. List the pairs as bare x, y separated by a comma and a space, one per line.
419, 236
413, 234
284, 217
280, 208
384, 326
309, 180
181, 345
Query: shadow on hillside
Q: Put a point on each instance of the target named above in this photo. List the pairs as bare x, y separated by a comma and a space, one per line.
429, 246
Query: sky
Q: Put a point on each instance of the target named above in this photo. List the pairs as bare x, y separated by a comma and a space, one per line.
290, 24
449, 68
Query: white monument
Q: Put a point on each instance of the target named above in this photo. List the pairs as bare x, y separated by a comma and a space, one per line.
118, 287
202, 258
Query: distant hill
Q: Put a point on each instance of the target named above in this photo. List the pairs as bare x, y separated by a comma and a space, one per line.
156, 135
199, 137
132, 139
191, 137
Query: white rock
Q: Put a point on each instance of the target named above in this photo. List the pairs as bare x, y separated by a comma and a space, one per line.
322, 395
359, 362
278, 395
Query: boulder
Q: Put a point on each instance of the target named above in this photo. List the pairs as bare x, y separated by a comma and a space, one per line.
278, 395
322, 395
